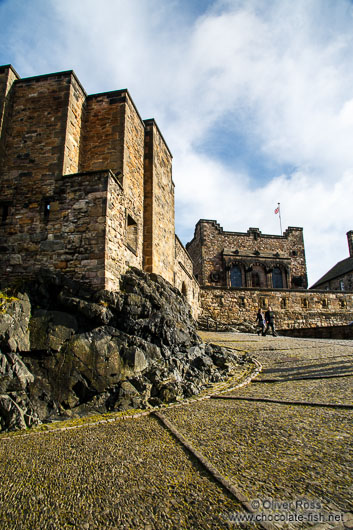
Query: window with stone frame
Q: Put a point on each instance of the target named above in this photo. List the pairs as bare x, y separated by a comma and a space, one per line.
235, 276
277, 279
131, 233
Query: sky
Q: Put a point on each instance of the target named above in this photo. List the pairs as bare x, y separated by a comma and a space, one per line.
253, 97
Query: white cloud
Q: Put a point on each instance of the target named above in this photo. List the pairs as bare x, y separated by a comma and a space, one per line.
278, 73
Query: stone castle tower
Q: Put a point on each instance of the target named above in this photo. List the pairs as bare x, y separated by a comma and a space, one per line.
85, 185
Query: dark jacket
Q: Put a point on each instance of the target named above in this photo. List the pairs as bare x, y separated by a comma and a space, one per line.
270, 317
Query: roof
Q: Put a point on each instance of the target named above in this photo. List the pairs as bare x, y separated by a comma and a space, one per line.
341, 268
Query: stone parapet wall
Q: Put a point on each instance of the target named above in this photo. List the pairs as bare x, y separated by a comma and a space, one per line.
328, 332
184, 280
293, 309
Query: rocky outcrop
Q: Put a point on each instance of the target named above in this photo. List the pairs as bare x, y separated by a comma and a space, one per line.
66, 350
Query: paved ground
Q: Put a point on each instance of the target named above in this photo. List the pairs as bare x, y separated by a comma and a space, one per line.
288, 460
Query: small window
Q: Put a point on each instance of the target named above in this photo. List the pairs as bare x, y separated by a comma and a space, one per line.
131, 233
242, 301
184, 290
284, 303
263, 303
325, 302
4, 212
305, 303
343, 304
46, 210
341, 285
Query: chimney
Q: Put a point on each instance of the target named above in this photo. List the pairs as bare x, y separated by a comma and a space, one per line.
350, 243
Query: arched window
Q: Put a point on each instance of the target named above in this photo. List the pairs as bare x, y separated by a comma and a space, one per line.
277, 280
235, 276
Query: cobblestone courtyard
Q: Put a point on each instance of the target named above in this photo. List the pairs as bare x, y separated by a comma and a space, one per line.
284, 442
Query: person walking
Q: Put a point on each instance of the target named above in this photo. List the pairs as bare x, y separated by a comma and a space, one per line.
260, 320
270, 321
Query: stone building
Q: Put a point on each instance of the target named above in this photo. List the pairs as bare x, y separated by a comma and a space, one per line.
251, 259
240, 272
340, 277
85, 185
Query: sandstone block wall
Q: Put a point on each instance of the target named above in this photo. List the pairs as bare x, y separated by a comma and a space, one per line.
85, 185
293, 308
119, 254
159, 223
35, 136
185, 280
215, 251
7, 78
66, 233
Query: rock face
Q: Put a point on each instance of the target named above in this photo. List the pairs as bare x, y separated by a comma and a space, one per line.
67, 350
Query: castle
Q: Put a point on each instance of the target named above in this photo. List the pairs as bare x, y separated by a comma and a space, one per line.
85, 186
86, 189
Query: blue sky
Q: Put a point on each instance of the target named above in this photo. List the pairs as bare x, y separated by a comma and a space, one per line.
254, 98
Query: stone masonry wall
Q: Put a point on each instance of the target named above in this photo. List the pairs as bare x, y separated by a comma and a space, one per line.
293, 309
335, 283
118, 255
103, 132
69, 236
210, 239
159, 229
76, 103
35, 139
195, 251
184, 280
133, 172
7, 78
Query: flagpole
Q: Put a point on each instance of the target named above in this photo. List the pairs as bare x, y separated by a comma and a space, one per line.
280, 219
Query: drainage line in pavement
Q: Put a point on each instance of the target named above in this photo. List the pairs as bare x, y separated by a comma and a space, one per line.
206, 464
313, 378
281, 402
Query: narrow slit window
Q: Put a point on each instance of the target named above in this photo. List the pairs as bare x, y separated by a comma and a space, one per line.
4, 212
46, 210
131, 233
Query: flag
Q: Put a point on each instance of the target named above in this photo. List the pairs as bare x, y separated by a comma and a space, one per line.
277, 209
